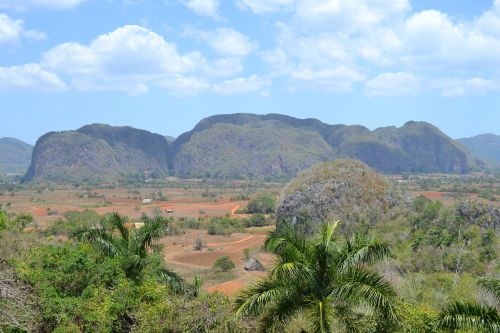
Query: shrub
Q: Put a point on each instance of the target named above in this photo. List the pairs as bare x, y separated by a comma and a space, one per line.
257, 220
224, 264
199, 244
263, 204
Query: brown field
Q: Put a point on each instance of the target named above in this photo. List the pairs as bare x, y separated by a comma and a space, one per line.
179, 253
47, 206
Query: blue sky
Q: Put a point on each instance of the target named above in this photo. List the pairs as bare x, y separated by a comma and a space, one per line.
164, 65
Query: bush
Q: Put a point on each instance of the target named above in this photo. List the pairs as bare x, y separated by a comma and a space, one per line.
263, 204
224, 226
257, 220
199, 244
72, 221
224, 264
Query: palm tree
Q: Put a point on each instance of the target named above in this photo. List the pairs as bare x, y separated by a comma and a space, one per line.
132, 247
475, 316
322, 278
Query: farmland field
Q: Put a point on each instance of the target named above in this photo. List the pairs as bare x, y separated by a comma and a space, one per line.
202, 201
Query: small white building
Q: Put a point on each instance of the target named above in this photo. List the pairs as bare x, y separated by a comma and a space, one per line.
146, 202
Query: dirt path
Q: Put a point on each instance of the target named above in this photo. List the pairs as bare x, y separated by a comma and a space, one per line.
236, 242
235, 209
207, 258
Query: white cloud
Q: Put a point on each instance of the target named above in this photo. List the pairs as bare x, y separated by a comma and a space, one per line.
241, 85
266, 6
224, 67
204, 7
386, 38
352, 15
334, 79
126, 57
454, 87
185, 86
393, 84
12, 30
29, 77
44, 4
225, 41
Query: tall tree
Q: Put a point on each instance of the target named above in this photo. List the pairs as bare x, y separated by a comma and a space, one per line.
325, 279
474, 316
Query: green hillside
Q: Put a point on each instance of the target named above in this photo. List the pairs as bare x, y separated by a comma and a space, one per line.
97, 152
15, 156
486, 146
245, 146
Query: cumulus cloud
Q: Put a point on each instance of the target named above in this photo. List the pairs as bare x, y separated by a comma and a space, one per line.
454, 87
384, 37
393, 84
203, 7
128, 56
12, 30
29, 77
131, 59
44, 4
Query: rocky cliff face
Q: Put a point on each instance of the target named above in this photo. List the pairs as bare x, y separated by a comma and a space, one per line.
345, 190
255, 145
97, 152
245, 146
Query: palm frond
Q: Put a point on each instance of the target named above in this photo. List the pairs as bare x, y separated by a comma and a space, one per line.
118, 223
288, 245
278, 315
369, 287
153, 229
360, 250
254, 299
469, 316
98, 237
173, 280
327, 232
492, 286
133, 264
320, 315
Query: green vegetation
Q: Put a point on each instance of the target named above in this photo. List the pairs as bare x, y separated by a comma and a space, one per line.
323, 279
263, 204
224, 264
242, 146
72, 222
474, 316
131, 247
15, 156
110, 152
486, 147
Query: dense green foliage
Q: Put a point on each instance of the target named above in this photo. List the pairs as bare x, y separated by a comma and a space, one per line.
72, 222
325, 279
15, 156
474, 316
224, 264
263, 204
